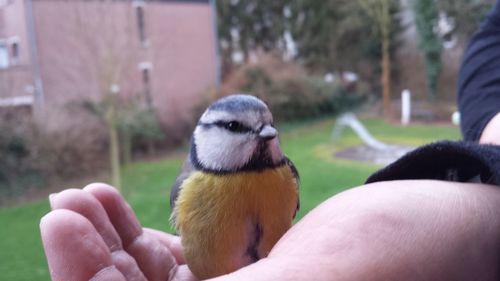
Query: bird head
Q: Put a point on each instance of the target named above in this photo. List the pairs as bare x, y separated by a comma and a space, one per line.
236, 133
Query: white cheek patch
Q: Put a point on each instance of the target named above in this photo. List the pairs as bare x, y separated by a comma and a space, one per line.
210, 117
218, 149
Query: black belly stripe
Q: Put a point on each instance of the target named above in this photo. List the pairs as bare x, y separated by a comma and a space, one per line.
253, 247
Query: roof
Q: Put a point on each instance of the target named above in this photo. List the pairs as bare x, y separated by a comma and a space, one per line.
166, 1
194, 1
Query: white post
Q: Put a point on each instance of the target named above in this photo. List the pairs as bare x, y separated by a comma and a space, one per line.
455, 118
405, 107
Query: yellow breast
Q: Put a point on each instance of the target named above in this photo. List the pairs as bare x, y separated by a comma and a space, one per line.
217, 215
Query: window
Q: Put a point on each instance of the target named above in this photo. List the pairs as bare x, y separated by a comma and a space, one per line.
4, 55
147, 88
145, 68
14, 50
145, 78
139, 14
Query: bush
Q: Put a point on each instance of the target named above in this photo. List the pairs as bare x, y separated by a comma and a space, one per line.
31, 158
138, 126
289, 92
19, 169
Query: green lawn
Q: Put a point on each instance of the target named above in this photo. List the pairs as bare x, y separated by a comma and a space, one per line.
147, 184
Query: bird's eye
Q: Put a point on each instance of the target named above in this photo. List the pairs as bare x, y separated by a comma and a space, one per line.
236, 127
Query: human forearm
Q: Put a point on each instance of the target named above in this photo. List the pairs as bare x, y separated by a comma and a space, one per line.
479, 87
400, 230
491, 133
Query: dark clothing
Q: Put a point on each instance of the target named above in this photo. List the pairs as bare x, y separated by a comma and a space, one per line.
479, 81
450, 161
479, 101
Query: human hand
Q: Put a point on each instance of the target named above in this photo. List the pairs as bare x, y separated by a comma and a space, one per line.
93, 234
401, 230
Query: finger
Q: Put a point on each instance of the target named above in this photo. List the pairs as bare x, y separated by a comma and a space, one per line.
182, 273
172, 242
87, 205
74, 249
118, 211
84, 203
154, 259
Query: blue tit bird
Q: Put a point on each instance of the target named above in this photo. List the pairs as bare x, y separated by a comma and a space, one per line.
237, 193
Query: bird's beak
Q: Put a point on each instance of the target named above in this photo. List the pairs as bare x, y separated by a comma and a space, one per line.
268, 132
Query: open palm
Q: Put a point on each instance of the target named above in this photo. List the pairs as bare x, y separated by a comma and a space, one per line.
401, 230
94, 234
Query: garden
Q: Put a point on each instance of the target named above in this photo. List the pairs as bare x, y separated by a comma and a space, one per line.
146, 184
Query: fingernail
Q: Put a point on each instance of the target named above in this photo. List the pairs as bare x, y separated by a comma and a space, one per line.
51, 199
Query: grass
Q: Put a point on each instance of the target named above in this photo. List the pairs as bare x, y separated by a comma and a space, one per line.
146, 186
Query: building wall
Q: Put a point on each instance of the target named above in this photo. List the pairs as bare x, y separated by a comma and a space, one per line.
16, 79
85, 46
184, 54
77, 58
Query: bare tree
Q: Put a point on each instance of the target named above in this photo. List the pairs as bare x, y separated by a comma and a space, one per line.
105, 41
380, 12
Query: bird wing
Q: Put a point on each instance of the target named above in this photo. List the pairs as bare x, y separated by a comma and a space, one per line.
187, 169
295, 173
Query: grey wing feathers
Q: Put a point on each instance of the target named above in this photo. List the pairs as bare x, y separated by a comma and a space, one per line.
295, 173
186, 170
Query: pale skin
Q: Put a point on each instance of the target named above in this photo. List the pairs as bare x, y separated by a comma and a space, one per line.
404, 230
400, 230
491, 133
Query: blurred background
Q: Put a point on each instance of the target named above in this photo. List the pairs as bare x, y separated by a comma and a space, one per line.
111, 90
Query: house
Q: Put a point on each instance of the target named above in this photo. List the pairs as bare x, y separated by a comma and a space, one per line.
55, 54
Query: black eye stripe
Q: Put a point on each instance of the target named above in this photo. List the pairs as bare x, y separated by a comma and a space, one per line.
232, 126
235, 127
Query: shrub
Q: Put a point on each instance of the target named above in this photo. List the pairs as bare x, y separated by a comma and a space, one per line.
289, 92
18, 153
17, 170
30, 157
138, 126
